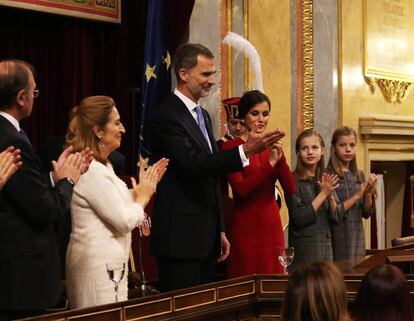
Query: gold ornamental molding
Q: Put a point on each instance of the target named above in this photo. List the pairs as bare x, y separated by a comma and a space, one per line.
394, 91
307, 47
388, 47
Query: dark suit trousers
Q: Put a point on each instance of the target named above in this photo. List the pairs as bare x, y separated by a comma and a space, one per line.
178, 273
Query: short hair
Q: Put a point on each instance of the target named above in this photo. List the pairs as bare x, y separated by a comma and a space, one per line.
383, 295
334, 162
316, 292
250, 99
300, 168
92, 111
14, 76
186, 56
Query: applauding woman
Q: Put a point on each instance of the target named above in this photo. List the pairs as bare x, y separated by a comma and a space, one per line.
104, 211
9, 164
256, 227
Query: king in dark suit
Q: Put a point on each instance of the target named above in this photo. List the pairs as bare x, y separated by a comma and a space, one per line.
188, 230
29, 261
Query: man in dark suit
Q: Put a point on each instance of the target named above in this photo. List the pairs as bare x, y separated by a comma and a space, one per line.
187, 225
29, 260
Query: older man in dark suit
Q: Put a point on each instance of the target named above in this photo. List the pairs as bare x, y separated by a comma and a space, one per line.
188, 230
29, 260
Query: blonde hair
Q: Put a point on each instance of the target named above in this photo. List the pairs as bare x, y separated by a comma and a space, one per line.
300, 167
93, 111
315, 292
334, 162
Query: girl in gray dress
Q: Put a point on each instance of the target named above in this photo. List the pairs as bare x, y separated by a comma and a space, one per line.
312, 207
355, 196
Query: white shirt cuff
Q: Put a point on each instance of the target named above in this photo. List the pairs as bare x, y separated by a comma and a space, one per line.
51, 179
244, 159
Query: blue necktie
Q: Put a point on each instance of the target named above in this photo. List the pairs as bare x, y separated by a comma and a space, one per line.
23, 135
202, 124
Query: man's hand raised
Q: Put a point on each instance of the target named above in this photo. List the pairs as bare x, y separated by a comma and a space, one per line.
71, 165
258, 142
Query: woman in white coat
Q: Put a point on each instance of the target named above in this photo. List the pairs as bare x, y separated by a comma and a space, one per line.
104, 211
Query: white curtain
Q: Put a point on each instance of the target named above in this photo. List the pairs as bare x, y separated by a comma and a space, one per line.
380, 211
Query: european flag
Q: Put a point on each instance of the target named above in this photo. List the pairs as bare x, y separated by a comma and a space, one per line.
156, 83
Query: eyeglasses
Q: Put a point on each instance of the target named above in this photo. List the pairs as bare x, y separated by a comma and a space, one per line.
36, 92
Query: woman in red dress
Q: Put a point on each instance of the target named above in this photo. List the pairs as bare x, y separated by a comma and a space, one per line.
256, 227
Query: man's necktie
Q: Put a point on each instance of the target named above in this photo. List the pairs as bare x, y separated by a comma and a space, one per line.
202, 124
23, 135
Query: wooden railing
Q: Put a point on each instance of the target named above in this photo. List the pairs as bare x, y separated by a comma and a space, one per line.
256, 297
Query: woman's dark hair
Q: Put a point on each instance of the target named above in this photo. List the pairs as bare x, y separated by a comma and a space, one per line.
315, 292
249, 100
383, 296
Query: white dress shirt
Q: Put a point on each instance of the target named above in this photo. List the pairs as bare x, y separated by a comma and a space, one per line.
191, 105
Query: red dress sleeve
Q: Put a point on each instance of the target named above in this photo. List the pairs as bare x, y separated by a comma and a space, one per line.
241, 184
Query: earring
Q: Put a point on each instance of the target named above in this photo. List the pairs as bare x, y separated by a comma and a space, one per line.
101, 141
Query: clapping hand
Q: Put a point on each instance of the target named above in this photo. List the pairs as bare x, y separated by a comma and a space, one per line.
275, 152
257, 142
367, 187
71, 165
9, 164
370, 183
328, 183
148, 180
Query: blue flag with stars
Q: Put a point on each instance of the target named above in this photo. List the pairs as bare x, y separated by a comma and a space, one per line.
156, 83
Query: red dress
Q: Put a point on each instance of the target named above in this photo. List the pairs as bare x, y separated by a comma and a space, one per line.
256, 227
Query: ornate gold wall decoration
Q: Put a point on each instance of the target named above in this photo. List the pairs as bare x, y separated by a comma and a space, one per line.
307, 48
388, 47
394, 91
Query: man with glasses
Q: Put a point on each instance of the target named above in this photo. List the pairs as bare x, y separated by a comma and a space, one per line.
29, 207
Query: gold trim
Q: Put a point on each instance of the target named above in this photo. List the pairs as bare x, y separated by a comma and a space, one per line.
147, 303
230, 81
271, 280
307, 49
246, 35
131, 260
96, 313
239, 295
394, 91
195, 305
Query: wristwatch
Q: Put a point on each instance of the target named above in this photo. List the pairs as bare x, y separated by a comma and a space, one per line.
71, 182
